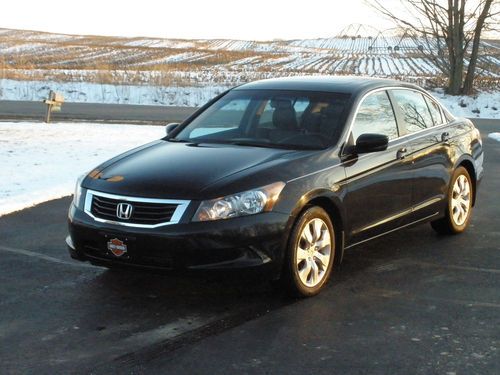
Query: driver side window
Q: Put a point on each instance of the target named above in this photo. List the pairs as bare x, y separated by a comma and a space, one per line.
375, 115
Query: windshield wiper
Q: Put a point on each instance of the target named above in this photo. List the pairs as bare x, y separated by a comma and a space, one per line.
253, 144
275, 145
245, 143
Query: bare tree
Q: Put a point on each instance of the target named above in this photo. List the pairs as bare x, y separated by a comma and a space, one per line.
452, 28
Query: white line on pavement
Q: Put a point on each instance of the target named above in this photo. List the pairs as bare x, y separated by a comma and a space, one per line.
386, 293
44, 257
454, 267
393, 265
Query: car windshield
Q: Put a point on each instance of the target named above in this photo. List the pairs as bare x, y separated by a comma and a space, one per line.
270, 118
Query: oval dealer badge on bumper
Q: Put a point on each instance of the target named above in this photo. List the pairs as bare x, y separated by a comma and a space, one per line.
117, 247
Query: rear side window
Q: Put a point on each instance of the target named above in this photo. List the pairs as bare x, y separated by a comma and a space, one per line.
375, 115
436, 114
414, 109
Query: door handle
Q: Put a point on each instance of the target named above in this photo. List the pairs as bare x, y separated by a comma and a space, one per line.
445, 137
401, 154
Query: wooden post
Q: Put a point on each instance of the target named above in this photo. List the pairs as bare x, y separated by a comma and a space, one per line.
54, 103
49, 106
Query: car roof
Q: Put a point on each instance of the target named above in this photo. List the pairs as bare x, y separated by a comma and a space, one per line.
338, 84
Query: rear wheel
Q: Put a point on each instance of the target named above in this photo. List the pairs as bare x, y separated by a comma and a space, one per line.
310, 253
459, 205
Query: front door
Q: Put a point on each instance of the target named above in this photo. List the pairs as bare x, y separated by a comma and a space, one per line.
379, 184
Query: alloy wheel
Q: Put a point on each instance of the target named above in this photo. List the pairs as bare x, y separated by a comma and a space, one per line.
313, 252
460, 200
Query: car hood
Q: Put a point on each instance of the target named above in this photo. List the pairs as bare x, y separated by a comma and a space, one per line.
164, 169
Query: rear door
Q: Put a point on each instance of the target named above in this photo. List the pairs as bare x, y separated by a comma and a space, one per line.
379, 184
428, 139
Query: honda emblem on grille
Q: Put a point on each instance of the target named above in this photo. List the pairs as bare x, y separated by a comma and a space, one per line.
124, 211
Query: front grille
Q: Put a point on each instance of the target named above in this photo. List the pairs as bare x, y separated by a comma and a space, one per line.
142, 212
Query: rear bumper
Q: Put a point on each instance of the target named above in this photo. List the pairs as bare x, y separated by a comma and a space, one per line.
256, 241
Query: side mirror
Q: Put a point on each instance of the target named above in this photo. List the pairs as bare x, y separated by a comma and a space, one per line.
169, 128
371, 143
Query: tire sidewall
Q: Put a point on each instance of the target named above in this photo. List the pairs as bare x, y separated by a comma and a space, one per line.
296, 284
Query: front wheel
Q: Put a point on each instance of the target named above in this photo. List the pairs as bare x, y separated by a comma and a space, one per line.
310, 253
459, 205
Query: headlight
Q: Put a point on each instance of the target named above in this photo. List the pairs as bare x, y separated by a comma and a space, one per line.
78, 199
247, 203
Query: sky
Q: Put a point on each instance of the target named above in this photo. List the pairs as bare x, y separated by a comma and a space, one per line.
236, 19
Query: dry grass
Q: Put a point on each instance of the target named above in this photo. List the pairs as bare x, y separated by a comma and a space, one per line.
26, 55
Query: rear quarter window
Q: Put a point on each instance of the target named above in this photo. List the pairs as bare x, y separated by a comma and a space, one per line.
435, 109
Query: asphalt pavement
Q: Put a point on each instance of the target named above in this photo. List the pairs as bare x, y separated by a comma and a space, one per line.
92, 112
412, 302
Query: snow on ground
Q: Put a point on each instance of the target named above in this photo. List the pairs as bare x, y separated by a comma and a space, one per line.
39, 162
85, 92
482, 105
495, 136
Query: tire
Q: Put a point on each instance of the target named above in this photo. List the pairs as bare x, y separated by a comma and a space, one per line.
458, 206
310, 253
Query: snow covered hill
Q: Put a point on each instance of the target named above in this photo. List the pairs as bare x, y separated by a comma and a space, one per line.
30, 55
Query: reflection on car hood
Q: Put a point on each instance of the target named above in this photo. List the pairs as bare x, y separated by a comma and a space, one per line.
176, 170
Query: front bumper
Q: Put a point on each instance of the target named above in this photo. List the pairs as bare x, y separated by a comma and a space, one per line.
245, 242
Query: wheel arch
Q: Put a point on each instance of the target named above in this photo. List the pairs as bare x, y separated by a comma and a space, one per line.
331, 203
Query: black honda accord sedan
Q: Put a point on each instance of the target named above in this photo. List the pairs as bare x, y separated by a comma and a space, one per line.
281, 175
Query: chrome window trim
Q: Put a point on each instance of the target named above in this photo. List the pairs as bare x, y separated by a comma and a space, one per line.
176, 217
387, 88
392, 141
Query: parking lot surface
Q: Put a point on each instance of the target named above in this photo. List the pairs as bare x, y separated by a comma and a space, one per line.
410, 302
